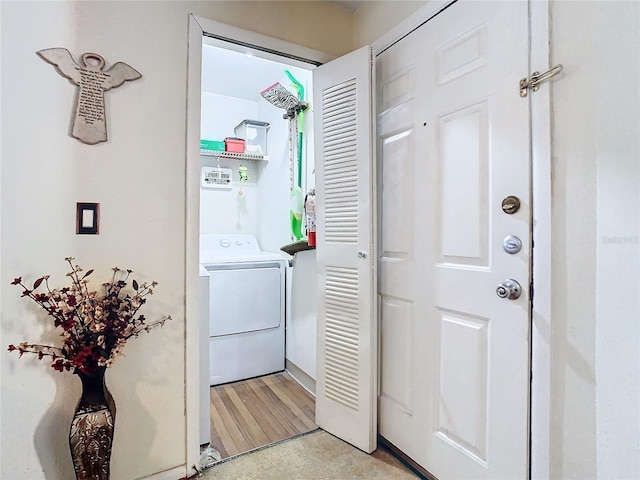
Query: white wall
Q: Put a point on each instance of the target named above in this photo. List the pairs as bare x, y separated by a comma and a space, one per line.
374, 19
617, 251
320, 25
302, 304
222, 113
595, 327
222, 210
139, 179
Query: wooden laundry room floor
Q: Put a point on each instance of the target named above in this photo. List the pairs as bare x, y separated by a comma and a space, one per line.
253, 413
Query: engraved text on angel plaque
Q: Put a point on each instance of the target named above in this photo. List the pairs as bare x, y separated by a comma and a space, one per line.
89, 122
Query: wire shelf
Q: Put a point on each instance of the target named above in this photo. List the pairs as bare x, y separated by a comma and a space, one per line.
233, 156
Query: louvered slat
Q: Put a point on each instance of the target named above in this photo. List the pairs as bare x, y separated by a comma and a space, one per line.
342, 338
340, 163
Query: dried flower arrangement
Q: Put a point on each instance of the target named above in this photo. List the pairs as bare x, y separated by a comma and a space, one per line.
95, 326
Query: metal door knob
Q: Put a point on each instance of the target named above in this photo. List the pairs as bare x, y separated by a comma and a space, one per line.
509, 289
362, 254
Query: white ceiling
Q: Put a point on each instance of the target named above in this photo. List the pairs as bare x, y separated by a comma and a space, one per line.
240, 75
351, 5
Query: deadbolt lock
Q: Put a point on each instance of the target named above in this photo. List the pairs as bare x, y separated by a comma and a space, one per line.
510, 205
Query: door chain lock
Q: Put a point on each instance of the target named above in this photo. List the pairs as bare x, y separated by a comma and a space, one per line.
533, 82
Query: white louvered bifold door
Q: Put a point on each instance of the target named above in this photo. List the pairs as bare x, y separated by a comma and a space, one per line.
346, 386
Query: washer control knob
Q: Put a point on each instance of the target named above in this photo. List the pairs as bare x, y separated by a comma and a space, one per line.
225, 243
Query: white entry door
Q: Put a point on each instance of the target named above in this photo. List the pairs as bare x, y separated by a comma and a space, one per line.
453, 136
346, 384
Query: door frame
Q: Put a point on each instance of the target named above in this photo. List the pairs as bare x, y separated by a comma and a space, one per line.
541, 151
540, 125
268, 47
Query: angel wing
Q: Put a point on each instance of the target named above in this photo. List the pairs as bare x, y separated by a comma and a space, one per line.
63, 61
121, 72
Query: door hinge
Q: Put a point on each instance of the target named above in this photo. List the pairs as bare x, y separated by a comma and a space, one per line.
533, 82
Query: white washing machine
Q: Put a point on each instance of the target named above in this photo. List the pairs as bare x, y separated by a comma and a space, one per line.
246, 307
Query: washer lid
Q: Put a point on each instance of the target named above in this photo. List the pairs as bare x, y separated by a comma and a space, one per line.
255, 257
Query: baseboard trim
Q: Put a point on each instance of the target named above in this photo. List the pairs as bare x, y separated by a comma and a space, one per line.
300, 376
170, 474
404, 458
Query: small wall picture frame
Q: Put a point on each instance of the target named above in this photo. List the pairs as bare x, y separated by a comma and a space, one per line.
87, 218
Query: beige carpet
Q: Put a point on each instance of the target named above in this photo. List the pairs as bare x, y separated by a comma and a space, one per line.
317, 456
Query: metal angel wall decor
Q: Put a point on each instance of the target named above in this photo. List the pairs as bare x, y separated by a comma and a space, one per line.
90, 120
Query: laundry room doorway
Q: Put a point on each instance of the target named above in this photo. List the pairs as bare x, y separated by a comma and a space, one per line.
257, 378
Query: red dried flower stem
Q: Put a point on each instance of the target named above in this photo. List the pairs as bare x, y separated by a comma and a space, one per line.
40, 349
76, 281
